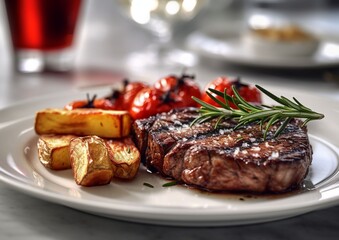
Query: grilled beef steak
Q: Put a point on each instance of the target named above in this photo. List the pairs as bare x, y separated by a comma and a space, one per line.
223, 159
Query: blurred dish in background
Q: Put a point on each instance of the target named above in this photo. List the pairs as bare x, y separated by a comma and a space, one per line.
285, 41
276, 27
230, 47
270, 33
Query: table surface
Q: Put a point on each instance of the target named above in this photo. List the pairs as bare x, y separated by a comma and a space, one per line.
104, 38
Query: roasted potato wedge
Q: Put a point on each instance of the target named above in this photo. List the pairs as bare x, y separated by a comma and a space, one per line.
90, 162
53, 151
125, 158
102, 123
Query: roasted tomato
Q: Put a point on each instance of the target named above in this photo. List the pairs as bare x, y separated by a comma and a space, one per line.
108, 104
131, 89
113, 102
150, 101
248, 92
76, 104
167, 83
184, 86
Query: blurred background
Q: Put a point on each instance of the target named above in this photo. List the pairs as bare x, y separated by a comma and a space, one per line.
107, 34
103, 26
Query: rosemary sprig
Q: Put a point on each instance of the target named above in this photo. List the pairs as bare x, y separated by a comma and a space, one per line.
249, 113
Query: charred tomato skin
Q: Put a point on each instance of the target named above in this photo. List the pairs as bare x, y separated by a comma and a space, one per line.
166, 83
101, 103
151, 101
108, 104
248, 92
75, 104
117, 100
184, 86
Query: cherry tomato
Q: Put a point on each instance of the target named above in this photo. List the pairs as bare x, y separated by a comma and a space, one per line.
112, 103
108, 104
150, 101
184, 86
131, 89
76, 104
167, 83
248, 92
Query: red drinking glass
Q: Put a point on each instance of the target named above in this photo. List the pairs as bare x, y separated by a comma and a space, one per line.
42, 33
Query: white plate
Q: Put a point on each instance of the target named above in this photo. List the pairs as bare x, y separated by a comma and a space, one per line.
229, 48
175, 205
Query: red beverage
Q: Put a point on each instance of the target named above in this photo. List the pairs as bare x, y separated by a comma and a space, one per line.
42, 24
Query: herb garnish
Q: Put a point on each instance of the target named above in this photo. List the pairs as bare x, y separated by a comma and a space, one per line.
169, 184
148, 185
249, 113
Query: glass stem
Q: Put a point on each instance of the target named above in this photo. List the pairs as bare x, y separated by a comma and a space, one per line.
163, 33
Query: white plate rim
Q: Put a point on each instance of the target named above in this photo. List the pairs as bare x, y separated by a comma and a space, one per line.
196, 42
210, 217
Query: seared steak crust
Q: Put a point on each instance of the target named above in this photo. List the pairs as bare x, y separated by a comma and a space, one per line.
224, 159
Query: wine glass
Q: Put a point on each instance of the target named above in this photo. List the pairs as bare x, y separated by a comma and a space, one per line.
159, 17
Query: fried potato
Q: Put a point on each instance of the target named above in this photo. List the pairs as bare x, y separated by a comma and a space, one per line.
53, 151
125, 158
90, 161
103, 123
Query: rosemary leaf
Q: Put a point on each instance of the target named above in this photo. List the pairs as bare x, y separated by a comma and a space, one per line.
241, 100
271, 95
306, 121
282, 126
290, 103
206, 105
217, 100
301, 105
270, 123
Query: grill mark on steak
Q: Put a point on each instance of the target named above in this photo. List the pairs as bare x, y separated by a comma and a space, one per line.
219, 159
175, 117
144, 128
161, 142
